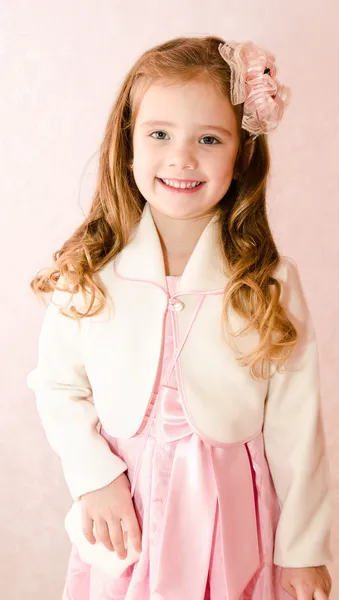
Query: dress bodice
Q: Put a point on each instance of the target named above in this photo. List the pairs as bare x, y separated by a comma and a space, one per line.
170, 422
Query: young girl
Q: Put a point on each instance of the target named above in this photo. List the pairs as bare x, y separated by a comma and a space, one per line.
178, 373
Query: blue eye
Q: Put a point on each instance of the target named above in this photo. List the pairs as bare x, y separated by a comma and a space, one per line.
210, 137
157, 138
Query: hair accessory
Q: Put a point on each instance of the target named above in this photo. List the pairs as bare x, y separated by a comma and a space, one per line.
253, 82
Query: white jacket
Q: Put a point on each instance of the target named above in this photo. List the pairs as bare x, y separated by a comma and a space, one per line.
102, 369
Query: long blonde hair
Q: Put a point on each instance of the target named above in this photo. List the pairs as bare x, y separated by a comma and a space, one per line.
248, 248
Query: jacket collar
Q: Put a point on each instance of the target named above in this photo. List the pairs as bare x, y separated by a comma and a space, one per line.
142, 259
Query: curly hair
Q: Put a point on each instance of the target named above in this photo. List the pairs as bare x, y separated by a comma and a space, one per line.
248, 248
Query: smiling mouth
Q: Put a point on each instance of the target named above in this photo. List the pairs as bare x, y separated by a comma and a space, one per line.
180, 189
180, 184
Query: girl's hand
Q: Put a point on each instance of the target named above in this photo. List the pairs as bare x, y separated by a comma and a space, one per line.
308, 583
106, 508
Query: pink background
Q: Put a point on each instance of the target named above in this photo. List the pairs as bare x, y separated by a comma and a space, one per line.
61, 65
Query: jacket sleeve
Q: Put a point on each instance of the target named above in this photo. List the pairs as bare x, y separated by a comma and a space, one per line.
65, 403
295, 441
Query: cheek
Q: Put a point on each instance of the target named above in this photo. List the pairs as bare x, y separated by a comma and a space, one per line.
221, 161
223, 170
145, 160
145, 171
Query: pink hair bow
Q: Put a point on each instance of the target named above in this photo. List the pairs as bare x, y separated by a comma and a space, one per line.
253, 82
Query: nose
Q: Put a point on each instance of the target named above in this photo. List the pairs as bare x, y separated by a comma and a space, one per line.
183, 157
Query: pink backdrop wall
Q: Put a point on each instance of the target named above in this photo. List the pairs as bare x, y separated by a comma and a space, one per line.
61, 64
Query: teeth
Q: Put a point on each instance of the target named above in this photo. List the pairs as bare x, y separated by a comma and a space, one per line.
182, 185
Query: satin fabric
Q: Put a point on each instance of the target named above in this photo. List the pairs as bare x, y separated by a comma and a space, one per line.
208, 513
254, 82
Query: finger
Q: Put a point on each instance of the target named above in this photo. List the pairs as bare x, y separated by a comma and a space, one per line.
116, 535
286, 585
132, 527
103, 534
87, 528
303, 593
320, 595
290, 590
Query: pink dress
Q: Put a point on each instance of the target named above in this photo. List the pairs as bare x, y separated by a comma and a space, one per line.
205, 534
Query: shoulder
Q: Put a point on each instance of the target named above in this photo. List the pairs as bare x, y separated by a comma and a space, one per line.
287, 273
292, 293
64, 295
286, 268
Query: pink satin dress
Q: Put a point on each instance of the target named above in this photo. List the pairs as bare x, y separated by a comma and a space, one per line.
208, 511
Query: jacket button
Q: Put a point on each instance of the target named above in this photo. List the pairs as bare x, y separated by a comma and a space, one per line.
176, 305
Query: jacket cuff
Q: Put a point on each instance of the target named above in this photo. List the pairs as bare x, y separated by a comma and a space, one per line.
93, 474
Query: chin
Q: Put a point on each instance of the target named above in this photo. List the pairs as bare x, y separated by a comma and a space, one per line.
174, 211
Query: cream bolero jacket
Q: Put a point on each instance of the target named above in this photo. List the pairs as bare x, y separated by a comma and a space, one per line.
102, 369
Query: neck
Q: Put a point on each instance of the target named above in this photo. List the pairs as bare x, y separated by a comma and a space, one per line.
178, 238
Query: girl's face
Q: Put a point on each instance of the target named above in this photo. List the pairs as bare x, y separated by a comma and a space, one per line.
184, 132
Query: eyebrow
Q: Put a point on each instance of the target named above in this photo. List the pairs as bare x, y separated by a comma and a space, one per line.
154, 123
